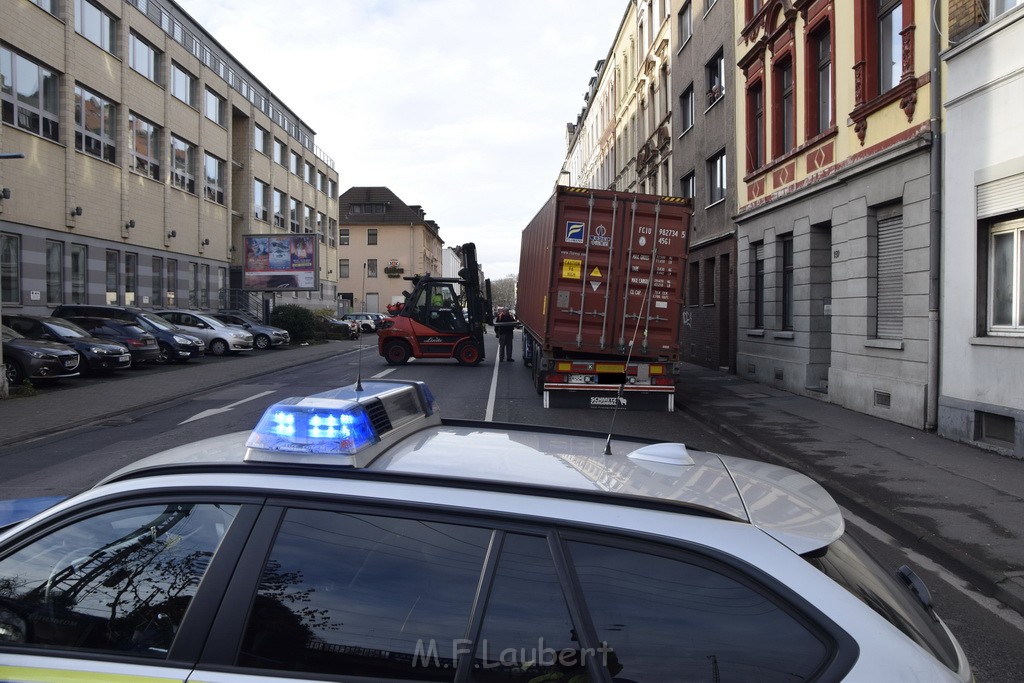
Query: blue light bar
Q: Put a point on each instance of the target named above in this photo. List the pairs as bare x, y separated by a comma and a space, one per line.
320, 426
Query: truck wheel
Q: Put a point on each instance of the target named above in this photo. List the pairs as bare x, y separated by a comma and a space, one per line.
468, 353
397, 353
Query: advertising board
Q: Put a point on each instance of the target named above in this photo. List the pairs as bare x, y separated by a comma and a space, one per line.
280, 262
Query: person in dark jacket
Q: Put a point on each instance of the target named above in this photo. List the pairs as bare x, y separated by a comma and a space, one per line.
504, 326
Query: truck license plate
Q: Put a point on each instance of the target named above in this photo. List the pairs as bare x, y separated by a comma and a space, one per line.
578, 379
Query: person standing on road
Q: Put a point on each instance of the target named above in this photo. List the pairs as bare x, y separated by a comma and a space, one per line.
504, 326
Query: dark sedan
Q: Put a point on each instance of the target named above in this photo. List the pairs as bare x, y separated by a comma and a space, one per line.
28, 359
98, 355
141, 344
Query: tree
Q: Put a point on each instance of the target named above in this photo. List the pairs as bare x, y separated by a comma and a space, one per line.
503, 291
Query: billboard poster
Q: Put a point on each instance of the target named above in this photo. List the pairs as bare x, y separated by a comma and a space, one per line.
281, 262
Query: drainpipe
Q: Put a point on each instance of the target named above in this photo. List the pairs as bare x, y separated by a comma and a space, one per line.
934, 225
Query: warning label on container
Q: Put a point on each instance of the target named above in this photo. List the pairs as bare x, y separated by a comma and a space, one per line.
572, 269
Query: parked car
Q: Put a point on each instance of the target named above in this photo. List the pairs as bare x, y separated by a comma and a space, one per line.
367, 323
346, 329
141, 345
355, 534
175, 344
29, 359
263, 336
220, 338
97, 354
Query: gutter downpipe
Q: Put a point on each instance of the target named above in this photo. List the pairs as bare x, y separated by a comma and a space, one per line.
934, 225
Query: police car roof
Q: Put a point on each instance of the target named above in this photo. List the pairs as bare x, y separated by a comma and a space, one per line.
534, 460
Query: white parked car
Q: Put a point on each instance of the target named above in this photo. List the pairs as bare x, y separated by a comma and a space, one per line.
220, 337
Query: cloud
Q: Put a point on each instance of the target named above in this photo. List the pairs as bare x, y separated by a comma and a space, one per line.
459, 106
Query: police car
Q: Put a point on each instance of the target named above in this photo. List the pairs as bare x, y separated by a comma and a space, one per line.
354, 535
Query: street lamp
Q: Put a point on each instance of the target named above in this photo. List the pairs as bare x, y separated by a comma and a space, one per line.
4, 389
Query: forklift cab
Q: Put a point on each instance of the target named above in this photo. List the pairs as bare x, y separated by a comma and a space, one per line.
437, 307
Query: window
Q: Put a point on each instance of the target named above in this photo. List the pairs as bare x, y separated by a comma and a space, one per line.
307, 218
260, 137
332, 231
48, 5
819, 82
193, 284
214, 107
343, 267
753, 7
214, 179
131, 279
144, 138
786, 243
204, 285
414, 581
709, 282
183, 164
279, 204
332, 188
172, 281
693, 282
113, 279
755, 126
890, 44
94, 125
708, 619
222, 287
158, 281
321, 224
54, 272
79, 273
143, 57
321, 181
343, 237
686, 109
717, 178
128, 565
95, 25
889, 281
758, 272
785, 102
371, 236
183, 85
293, 211
29, 94
280, 151
997, 7
371, 267
260, 192
296, 163
1006, 277
10, 268
714, 75
685, 23
687, 185
310, 173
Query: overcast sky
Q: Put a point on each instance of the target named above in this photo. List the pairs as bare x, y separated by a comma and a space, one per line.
459, 106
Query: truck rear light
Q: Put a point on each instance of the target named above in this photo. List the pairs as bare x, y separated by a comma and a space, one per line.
555, 378
662, 381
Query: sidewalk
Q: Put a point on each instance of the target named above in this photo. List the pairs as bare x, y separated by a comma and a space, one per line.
958, 502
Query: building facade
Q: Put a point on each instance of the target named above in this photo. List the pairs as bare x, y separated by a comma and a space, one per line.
149, 151
981, 401
835, 227
704, 151
383, 240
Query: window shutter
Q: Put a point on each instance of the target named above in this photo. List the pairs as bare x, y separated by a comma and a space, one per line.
890, 278
1001, 196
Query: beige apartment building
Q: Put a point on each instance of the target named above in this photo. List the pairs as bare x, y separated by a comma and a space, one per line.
384, 240
149, 151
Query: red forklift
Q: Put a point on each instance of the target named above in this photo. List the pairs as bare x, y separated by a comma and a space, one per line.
441, 317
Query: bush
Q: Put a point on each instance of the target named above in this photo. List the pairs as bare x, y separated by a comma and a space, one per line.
300, 322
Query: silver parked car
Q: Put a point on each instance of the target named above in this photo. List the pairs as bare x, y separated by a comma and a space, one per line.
220, 337
263, 336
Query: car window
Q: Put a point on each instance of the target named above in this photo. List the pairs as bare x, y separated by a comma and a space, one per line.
155, 321
527, 633
119, 581
360, 595
65, 328
661, 616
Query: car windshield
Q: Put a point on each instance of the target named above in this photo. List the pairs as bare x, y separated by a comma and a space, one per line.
66, 328
157, 322
11, 334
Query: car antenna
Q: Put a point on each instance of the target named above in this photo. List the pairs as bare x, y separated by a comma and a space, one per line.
359, 354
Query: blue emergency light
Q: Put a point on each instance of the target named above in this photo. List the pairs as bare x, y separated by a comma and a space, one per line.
321, 426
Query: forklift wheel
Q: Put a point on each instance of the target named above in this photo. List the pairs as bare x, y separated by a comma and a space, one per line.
397, 353
468, 353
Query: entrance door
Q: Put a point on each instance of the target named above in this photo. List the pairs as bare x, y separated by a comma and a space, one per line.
372, 302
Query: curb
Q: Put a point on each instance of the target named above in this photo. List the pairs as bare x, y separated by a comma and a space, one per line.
1008, 590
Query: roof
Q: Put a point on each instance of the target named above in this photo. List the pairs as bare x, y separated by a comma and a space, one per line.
395, 210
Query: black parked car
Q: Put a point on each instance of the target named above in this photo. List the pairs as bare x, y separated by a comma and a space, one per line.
26, 358
141, 344
98, 355
175, 344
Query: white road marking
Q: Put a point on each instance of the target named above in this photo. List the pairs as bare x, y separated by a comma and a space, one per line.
997, 608
218, 411
489, 415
